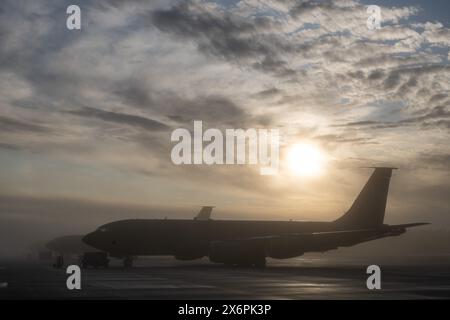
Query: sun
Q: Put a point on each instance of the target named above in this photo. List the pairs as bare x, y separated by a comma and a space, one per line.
305, 159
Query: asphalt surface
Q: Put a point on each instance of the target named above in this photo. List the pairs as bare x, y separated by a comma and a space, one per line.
166, 278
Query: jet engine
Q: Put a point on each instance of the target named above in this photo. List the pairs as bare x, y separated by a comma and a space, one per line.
285, 247
238, 252
189, 257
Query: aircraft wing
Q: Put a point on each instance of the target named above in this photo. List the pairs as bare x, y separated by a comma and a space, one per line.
374, 233
320, 241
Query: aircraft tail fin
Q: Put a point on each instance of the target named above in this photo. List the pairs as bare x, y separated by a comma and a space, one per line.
205, 213
369, 207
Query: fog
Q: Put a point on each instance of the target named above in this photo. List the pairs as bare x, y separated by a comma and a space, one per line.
26, 221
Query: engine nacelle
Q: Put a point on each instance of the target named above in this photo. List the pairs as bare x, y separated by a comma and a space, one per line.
238, 252
284, 248
187, 258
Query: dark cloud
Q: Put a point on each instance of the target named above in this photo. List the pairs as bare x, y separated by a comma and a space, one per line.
274, 66
438, 97
334, 138
28, 56
378, 60
376, 74
268, 93
8, 146
121, 118
228, 36
214, 110
439, 113
435, 160
419, 85
104, 5
13, 125
440, 123
395, 76
189, 19
435, 113
360, 123
356, 74
136, 93
407, 86
392, 81
307, 7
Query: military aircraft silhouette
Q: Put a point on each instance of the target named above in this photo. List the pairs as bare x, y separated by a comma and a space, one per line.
241, 242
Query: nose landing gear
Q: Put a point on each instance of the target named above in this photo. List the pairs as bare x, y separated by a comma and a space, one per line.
59, 262
128, 262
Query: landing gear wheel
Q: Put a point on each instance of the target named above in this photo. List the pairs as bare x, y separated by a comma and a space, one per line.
128, 262
59, 263
260, 263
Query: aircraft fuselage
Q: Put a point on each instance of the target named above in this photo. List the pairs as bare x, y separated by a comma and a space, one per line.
188, 237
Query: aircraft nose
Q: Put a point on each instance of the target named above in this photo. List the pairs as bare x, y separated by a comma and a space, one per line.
90, 239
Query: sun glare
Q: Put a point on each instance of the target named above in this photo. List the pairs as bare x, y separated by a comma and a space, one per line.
305, 159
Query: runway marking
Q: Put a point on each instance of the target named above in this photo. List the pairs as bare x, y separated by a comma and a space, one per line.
3, 285
144, 285
120, 281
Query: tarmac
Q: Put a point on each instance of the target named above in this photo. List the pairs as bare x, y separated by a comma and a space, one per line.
315, 277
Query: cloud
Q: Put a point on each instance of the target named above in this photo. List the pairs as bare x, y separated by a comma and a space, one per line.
309, 68
121, 118
8, 146
333, 138
435, 160
437, 114
135, 92
214, 110
268, 93
13, 125
226, 35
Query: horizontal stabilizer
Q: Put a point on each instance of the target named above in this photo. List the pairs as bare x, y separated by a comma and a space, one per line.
409, 225
381, 167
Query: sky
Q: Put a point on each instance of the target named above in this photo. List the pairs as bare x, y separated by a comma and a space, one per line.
86, 115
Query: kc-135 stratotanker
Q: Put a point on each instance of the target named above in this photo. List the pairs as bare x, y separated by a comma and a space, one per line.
244, 242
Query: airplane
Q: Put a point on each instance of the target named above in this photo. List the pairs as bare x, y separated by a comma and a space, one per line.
67, 246
247, 242
38, 251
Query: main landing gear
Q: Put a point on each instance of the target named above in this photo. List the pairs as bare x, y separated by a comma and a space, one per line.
59, 262
128, 262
